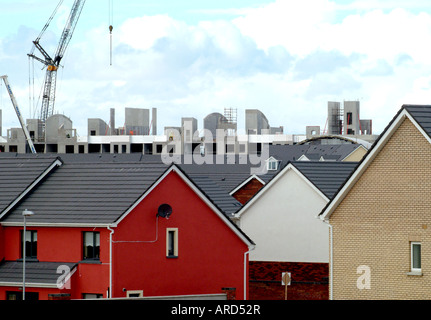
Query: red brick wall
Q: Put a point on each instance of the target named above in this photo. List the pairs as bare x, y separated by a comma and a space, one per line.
248, 191
309, 281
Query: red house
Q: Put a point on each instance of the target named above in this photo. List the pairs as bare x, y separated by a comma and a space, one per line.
121, 229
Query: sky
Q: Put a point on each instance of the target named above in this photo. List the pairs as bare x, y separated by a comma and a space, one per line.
191, 58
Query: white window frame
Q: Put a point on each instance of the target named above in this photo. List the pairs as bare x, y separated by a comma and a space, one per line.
132, 293
412, 269
272, 164
175, 239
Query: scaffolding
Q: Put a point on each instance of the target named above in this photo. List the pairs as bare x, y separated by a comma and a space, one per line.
335, 120
230, 115
229, 121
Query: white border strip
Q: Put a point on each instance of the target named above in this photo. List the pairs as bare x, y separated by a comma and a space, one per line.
368, 160
30, 187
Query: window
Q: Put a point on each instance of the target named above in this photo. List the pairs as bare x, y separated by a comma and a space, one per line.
230, 148
135, 293
70, 149
30, 244
92, 296
17, 295
91, 245
172, 243
415, 253
272, 164
349, 118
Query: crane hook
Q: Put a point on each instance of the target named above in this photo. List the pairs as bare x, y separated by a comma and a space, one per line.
110, 53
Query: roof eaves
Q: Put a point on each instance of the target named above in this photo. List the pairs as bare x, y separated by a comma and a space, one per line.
56, 163
262, 190
311, 182
215, 208
253, 176
364, 163
417, 123
140, 198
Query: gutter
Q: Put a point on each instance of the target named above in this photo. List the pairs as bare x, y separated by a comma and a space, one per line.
29, 285
331, 260
245, 270
110, 259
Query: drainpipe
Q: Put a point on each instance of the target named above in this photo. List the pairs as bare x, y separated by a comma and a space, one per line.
331, 260
245, 271
110, 260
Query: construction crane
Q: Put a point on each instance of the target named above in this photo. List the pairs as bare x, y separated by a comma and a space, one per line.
18, 113
53, 63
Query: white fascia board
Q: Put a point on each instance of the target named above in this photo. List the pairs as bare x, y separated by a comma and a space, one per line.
174, 168
135, 204
303, 158
28, 285
56, 225
310, 184
30, 187
222, 216
325, 215
290, 166
418, 126
242, 184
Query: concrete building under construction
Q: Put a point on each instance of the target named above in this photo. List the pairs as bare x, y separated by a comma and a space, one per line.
344, 120
139, 135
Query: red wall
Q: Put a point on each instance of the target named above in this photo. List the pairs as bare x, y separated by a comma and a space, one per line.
211, 256
2, 243
54, 244
63, 245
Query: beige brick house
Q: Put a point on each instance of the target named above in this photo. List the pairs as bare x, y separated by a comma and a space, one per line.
380, 220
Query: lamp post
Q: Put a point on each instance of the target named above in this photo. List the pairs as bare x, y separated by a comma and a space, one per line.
26, 213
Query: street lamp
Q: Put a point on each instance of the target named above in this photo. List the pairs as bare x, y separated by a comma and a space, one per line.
26, 213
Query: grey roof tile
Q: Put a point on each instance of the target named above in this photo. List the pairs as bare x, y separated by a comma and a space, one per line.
18, 173
35, 272
94, 188
93, 192
328, 177
335, 152
422, 115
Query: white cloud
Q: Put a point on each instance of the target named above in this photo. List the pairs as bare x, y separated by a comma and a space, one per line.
305, 26
287, 59
366, 5
296, 25
142, 32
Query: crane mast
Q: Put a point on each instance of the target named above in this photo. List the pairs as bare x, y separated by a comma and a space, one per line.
18, 113
52, 64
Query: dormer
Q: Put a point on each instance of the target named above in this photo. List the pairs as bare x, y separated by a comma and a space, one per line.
272, 164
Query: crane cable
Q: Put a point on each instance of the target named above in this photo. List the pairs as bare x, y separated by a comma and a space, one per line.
31, 61
47, 24
111, 22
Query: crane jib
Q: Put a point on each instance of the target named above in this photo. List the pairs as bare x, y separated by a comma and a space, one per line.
18, 113
52, 65
13, 97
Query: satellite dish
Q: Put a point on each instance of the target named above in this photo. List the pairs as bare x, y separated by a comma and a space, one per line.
164, 211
